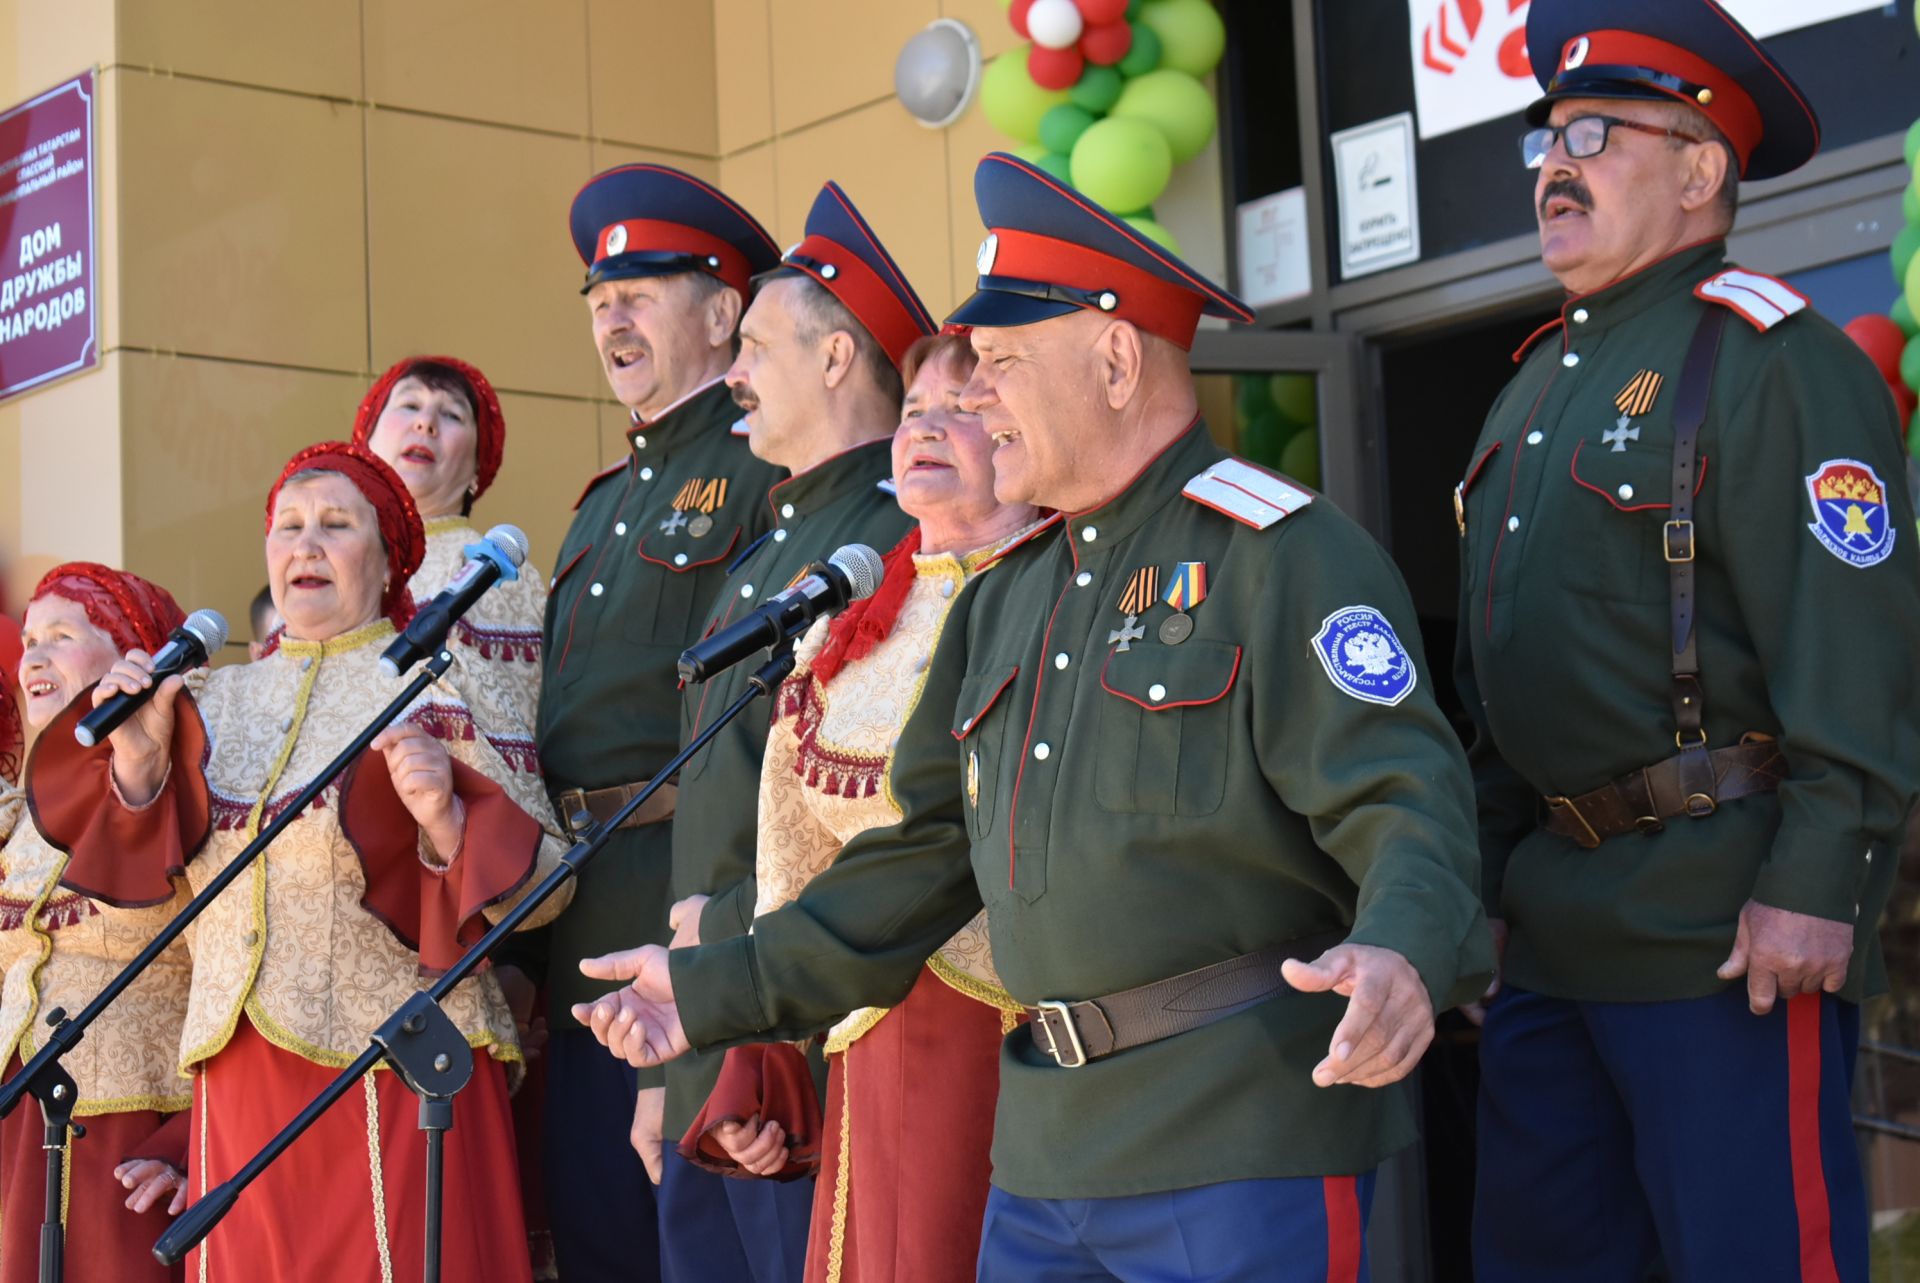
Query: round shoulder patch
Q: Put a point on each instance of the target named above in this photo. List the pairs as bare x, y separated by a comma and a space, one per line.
1363, 656
1850, 515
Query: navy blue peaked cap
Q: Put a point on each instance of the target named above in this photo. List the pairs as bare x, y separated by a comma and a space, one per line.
652, 220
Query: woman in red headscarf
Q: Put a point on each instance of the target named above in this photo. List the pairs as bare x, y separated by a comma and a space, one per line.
59, 949
437, 421
376, 886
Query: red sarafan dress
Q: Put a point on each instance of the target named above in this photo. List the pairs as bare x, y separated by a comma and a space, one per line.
903, 1149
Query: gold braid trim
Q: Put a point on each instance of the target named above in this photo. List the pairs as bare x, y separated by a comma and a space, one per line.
973, 987
206, 1121
842, 1182
280, 1036
854, 1027
439, 525
22, 1039
379, 1180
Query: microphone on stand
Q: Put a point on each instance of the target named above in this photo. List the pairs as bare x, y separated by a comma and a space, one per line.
202, 634
848, 575
496, 557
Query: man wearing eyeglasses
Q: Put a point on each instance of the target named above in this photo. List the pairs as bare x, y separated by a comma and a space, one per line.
1689, 593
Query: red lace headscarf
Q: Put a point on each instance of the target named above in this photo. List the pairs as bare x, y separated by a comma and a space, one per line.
400, 529
138, 615
490, 424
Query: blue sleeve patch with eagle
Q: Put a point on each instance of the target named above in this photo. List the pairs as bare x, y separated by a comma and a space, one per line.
1363, 656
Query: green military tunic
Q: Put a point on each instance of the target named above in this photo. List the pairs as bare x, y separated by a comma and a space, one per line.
847, 499
1129, 807
631, 585
1806, 624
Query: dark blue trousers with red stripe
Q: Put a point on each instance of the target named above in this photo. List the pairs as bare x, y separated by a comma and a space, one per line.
1618, 1135
1307, 1230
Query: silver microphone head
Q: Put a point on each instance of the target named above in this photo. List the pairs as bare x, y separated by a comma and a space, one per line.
862, 567
511, 540
210, 626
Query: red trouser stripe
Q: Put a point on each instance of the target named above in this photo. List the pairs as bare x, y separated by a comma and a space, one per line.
1803, 1124
1344, 1244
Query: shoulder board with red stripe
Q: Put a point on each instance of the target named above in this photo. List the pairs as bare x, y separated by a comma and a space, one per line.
1763, 300
595, 480
1250, 495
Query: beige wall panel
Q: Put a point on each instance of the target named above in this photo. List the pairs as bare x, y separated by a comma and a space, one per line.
967, 139
653, 73
241, 223
988, 18
831, 56
521, 62
552, 448
613, 421
895, 171
205, 441
42, 42
312, 47
743, 59
750, 178
70, 468
608, 154
480, 270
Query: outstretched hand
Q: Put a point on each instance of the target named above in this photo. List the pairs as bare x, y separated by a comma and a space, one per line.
640, 1023
1389, 1019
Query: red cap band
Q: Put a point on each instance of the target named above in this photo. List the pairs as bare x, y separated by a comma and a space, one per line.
636, 235
1721, 99
871, 300
1156, 305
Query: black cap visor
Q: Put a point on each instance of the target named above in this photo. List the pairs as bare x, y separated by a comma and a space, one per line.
638, 263
1004, 302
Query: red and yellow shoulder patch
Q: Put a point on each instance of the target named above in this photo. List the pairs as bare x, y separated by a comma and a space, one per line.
1764, 301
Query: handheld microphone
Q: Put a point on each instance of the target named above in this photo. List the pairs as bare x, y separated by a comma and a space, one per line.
848, 575
494, 558
202, 634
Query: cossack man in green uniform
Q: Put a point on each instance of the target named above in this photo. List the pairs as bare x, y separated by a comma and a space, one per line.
1182, 747
818, 376
670, 262
1689, 602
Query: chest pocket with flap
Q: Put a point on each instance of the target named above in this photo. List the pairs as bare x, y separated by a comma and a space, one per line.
980, 723
1164, 728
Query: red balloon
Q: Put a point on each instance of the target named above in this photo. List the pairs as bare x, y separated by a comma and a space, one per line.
1098, 13
1108, 43
1881, 339
1055, 68
1017, 15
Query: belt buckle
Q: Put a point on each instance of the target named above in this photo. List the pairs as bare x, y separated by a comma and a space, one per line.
1073, 1035
1593, 838
1682, 550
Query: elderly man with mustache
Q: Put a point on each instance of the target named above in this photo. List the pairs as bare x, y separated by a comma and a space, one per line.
1688, 601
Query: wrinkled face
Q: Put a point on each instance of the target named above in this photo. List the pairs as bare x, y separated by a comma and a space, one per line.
65, 653
1036, 390
429, 436
942, 456
325, 562
778, 376
652, 338
1606, 216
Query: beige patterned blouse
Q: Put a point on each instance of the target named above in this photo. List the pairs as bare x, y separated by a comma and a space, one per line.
59, 949
826, 773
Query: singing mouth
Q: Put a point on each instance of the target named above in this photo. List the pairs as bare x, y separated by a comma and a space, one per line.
417, 454
622, 357
309, 581
1560, 208
923, 462
37, 689
1005, 436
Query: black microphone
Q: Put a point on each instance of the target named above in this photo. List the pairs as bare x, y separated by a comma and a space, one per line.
494, 558
848, 575
202, 634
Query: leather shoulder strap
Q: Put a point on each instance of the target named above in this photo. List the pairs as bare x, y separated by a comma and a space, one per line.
1679, 543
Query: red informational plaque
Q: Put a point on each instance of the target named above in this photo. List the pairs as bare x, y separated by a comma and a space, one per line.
47, 301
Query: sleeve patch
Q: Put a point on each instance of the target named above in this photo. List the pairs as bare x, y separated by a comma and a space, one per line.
1762, 300
1850, 514
1363, 656
1245, 493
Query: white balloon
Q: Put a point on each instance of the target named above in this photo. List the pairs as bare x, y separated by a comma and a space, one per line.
1055, 24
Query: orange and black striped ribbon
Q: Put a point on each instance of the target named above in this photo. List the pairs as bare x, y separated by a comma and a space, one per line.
1143, 589
1638, 396
700, 494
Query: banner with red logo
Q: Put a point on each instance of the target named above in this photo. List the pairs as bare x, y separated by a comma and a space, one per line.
47, 302
1470, 56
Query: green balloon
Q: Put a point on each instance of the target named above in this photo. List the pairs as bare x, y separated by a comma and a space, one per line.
1902, 314
1297, 395
1911, 280
1153, 232
1913, 436
1122, 164
1061, 127
1191, 34
1913, 141
1144, 56
1250, 398
1058, 165
1174, 103
1910, 364
1098, 90
1910, 204
1133, 9
1301, 459
1906, 243
1264, 438
1013, 103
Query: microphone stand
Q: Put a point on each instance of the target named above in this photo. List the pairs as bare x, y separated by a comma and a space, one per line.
47, 1080
421, 1041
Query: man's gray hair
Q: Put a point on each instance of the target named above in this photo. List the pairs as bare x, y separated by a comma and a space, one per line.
817, 313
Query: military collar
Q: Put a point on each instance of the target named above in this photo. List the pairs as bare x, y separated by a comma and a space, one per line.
1146, 493
704, 409
860, 468
1584, 315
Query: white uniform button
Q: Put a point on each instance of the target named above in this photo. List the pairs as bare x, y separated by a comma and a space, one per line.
746, 591
1089, 534
287, 725
920, 664
619, 527
306, 662
1626, 492
1156, 692
780, 536
1513, 523
1535, 438
639, 443
1084, 578
679, 558
1570, 360
1580, 316
597, 589
786, 510
1041, 752
946, 587
966, 726
250, 939
646, 474
1061, 660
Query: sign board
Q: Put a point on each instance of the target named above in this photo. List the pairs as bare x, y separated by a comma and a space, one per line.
1377, 194
1470, 56
47, 299
1275, 259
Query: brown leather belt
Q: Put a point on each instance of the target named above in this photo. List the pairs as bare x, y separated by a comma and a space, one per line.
603, 804
1643, 800
1074, 1033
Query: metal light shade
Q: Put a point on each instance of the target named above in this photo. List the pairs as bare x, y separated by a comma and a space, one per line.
937, 72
